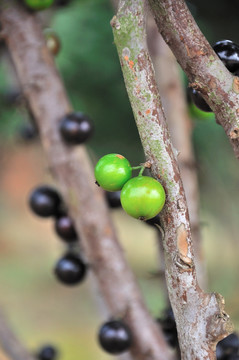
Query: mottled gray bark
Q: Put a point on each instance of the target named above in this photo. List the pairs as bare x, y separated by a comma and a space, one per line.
180, 126
204, 69
73, 173
200, 317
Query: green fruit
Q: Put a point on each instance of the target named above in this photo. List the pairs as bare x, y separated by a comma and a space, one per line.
38, 4
142, 197
112, 171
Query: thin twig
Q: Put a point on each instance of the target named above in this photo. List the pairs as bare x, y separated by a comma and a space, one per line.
73, 173
200, 317
10, 347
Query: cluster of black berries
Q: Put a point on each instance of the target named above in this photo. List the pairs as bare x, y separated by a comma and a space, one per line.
228, 348
47, 352
228, 52
168, 325
46, 202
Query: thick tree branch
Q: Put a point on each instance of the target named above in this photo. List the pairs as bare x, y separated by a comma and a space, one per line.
200, 317
180, 126
204, 69
10, 347
72, 171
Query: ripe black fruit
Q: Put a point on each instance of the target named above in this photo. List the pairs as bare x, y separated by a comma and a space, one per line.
70, 269
115, 337
113, 198
228, 52
228, 347
28, 132
76, 128
169, 328
65, 228
47, 352
45, 201
198, 100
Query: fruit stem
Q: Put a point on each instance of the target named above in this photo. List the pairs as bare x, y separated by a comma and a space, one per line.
136, 167
141, 171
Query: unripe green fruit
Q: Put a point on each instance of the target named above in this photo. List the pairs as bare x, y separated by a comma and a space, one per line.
38, 4
112, 171
142, 197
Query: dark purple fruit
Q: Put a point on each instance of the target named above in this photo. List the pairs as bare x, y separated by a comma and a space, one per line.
169, 328
45, 201
65, 228
113, 198
28, 132
198, 100
12, 97
70, 269
47, 352
76, 128
228, 346
115, 337
228, 52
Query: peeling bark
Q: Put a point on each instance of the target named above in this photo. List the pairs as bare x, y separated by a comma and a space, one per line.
205, 70
72, 171
200, 317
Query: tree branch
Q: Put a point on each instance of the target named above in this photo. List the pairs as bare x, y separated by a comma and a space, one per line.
204, 69
180, 125
72, 171
10, 347
201, 320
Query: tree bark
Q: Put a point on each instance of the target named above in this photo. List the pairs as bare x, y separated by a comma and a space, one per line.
73, 173
203, 67
200, 317
10, 347
180, 126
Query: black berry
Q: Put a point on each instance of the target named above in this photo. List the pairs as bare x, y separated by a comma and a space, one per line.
115, 337
198, 100
70, 269
47, 352
228, 52
169, 328
28, 132
228, 347
45, 201
113, 198
76, 128
65, 228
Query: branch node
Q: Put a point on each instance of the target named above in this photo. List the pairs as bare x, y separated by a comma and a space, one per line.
115, 23
234, 134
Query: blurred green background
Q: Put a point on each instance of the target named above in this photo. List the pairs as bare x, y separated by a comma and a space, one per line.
40, 309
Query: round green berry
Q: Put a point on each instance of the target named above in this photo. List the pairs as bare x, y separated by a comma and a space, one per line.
142, 197
38, 4
112, 171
